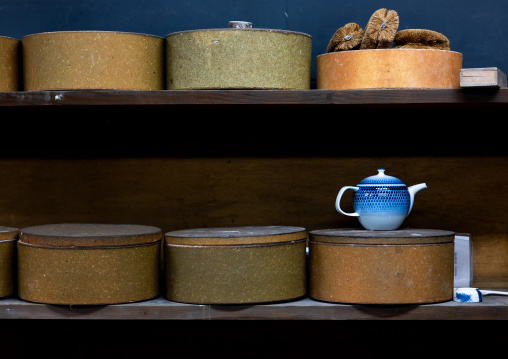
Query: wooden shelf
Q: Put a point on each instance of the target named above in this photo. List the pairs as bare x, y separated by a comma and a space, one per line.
375, 97
492, 308
119, 140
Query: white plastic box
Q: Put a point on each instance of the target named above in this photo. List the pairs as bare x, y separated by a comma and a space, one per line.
463, 261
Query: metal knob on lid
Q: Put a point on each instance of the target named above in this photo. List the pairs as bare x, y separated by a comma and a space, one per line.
240, 25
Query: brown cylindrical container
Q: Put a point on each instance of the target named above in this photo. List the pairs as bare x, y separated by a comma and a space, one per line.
88, 264
238, 58
388, 68
410, 266
235, 265
93, 60
10, 61
8, 239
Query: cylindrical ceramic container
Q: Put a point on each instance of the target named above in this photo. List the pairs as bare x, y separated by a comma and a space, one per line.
410, 266
235, 265
8, 239
10, 63
388, 68
238, 58
93, 60
88, 264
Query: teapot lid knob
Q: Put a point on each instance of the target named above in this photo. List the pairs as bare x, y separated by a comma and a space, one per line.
380, 178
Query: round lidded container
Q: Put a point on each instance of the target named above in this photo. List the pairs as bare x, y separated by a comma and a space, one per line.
235, 265
409, 266
8, 239
93, 60
238, 57
88, 264
10, 64
388, 68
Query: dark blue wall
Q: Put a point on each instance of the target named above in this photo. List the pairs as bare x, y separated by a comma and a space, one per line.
477, 29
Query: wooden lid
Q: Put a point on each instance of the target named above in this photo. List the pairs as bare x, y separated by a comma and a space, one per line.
366, 237
236, 235
89, 235
7, 233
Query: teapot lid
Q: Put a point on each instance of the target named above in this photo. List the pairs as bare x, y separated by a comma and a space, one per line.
381, 178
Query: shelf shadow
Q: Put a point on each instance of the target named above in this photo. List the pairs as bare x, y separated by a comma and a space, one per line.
74, 310
385, 310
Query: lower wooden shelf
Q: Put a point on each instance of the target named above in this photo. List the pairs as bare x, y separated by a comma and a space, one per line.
492, 308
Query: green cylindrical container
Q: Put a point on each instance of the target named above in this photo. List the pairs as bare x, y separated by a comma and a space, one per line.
235, 265
238, 58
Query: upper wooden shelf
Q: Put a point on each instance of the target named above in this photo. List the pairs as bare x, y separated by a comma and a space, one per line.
382, 97
492, 307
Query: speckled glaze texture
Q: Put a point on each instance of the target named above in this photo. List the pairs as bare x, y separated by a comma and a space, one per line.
233, 273
92, 60
8, 240
388, 68
381, 267
238, 58
92, 270
10, 61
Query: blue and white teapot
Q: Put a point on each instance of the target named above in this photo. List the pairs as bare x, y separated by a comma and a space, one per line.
380, 202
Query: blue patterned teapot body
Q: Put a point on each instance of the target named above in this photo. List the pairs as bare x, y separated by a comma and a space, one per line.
380, 202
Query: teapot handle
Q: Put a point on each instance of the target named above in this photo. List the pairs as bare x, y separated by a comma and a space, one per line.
337, 201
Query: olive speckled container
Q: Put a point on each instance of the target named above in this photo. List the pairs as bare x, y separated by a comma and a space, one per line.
238, 58
10, 63
381, 267
88, 264
93, 60
388, 68
235, 265
8, 239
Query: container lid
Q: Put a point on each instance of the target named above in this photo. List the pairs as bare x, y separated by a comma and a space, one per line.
89, 235
8, 38
96, 32
7, 233
241, 26
236, 235
367, 237
381, 179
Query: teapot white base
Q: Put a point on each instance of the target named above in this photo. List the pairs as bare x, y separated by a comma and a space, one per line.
388, 222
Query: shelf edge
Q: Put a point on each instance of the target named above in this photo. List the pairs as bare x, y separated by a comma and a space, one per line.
385, 97
303, 309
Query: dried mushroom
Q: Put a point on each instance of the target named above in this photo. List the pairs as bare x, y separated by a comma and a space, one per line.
348, 37
380, 30
421, 39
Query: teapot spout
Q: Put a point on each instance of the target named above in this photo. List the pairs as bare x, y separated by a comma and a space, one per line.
412, 191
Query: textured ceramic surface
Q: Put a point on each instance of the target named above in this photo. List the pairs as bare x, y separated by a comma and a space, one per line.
8, 239
382, 267
380, 202
388, 68
7, 267
93, 60
238, 265
10, 61
238, 58
88, 264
